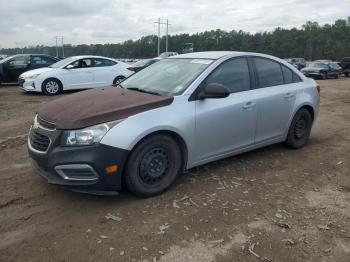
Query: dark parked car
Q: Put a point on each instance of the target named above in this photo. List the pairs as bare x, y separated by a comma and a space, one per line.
12, 67
139, 65
297, 62
345, 64
322, 70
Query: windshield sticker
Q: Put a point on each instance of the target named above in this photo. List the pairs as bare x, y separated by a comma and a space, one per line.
201, 61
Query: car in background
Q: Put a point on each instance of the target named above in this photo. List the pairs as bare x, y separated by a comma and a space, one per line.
12, 67
182, 112
76, 72
298, 63
167, 54
141, 64
3, 56
345, 64
322, 70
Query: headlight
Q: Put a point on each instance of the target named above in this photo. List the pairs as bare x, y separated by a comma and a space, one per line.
89, 135
32, 76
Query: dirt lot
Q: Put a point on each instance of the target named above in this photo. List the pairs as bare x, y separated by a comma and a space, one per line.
275, 203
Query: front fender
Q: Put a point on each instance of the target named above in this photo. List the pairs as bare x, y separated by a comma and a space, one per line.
179, 117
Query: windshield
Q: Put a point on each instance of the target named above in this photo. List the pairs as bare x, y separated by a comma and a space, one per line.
62, 62
167, 77
318, 65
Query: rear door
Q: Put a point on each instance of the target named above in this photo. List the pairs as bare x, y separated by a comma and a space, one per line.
80, 76
276, 93
104, 72
226, 124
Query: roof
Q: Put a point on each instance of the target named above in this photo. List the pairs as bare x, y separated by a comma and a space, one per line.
208, 55
90, 56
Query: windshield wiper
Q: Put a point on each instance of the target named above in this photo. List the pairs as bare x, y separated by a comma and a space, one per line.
144, 91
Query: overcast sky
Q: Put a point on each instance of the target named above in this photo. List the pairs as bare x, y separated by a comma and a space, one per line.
34, 22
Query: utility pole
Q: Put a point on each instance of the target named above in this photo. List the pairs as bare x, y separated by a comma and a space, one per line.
62, 47
167, 32
56, 46
159, 23
158, 36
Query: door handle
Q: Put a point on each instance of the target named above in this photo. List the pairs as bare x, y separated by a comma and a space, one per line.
288, 95
249, 105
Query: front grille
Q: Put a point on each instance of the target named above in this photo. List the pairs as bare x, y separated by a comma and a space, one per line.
38, 141
46, 124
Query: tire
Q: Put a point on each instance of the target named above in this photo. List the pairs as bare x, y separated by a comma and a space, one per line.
337, 76
324, 75
118, 80
300, 129
153, 166
51, 87
347, 74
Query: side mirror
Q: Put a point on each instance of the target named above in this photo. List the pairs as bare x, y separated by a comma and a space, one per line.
69, 66
213, 90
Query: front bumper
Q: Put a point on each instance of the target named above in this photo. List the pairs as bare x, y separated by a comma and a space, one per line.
27, 84
81, 168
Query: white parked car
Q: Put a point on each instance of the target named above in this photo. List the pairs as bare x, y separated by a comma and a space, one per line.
76, 72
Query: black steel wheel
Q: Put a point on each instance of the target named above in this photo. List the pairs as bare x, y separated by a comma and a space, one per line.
153, 166
300, 129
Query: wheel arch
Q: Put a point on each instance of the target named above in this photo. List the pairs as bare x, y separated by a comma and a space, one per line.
308, 108
171, 133
52, 78
118, 76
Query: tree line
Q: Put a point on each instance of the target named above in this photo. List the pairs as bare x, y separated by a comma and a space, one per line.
312, 41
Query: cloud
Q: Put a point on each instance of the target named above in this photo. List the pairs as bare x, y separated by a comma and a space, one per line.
112, 21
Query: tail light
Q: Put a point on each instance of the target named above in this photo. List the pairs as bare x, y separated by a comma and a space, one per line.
318, 88
132, 69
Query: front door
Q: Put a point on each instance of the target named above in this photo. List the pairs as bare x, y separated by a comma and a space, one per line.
14, 67
227, 124
80, 76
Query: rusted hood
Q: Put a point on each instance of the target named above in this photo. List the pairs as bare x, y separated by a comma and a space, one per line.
97, 106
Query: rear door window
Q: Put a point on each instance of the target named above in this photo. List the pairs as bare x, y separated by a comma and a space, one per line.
269, 72
100, 62
233, 74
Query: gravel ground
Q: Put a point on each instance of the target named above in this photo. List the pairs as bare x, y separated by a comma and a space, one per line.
272, 204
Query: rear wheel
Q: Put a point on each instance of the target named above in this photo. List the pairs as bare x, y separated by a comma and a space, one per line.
153, 166
118, 80
51, 87
300, 129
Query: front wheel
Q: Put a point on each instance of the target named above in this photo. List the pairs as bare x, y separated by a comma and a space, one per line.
153, 166
118, 80
51, 87
300, 129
